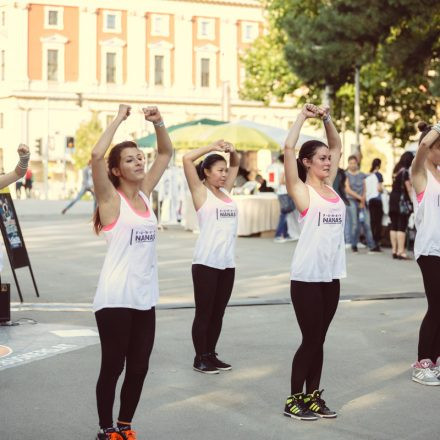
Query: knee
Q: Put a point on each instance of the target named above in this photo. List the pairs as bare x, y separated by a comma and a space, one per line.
138, 370
112, 368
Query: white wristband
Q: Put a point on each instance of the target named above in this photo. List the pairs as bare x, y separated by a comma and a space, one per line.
159, 124
436, 127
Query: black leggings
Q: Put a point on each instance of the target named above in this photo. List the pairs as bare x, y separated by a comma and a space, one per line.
127, 335
315, 305
376, 214
212, 290
429, 336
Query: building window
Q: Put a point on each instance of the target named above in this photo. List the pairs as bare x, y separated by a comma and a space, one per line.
2, 65
206, 29
53, 18
249, 31
52, 65
110, 62
204, 79
112, 21
160, 25
158, 70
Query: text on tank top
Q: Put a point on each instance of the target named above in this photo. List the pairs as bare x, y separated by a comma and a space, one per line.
427, 219
129, 274
218, 221
320, 252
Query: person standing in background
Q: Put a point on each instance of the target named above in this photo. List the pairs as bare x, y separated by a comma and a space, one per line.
356, 212
374, 189
86, 186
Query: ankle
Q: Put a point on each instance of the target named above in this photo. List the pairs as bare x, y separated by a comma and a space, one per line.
124, 426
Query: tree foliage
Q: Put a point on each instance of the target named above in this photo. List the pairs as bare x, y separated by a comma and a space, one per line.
396, 44
86, 137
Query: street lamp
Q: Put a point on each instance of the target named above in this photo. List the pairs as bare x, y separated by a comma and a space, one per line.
357, 108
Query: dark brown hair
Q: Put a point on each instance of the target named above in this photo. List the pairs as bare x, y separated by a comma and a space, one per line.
307, 151
113, 161
424, 129
207, 164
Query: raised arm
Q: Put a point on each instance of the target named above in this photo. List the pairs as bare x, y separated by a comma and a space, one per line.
105, 192
234, 163
295, 186
418, 170
334, 143
198, 190
20, 169
164, 150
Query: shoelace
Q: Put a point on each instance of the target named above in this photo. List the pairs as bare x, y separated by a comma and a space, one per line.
429, 373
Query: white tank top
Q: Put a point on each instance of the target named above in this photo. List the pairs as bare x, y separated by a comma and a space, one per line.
427, 220
129, 274
218, 222
320, 253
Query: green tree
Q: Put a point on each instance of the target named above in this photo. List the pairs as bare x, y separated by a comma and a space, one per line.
395, 42
86, 137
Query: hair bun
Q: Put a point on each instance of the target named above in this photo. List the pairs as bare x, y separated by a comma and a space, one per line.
422, 126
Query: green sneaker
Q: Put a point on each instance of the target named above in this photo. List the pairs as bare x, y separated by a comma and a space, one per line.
297, 408
317, 405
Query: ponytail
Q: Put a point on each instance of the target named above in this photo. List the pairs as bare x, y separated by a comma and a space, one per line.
302, 172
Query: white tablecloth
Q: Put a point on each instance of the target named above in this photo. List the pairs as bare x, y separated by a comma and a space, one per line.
256, 213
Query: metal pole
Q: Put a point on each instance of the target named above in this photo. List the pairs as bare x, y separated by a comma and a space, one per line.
357, 108
46, 154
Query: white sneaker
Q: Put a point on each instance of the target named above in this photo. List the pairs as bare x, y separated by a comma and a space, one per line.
436, 368
361, 245
279, 240
290, 239
423, 373
347, 246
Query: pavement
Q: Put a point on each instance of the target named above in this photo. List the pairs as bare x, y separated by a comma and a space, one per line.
47, 382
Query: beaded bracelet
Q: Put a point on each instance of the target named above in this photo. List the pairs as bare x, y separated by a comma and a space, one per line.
326, 119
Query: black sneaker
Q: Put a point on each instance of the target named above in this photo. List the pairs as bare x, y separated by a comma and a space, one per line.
203, 364
108, 434
298, 409
318, 406
375, 250
220, 365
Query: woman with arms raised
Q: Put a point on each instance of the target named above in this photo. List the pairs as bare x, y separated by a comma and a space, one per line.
213, 268
127, 290
425, 176
319, 259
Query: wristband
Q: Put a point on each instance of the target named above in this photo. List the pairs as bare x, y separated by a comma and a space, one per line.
23, 162
326, 119
159, 124
436, 127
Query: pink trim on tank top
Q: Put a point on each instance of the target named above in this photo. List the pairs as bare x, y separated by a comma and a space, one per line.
145, 214
110, 226
329, 199
420, 196
303, 213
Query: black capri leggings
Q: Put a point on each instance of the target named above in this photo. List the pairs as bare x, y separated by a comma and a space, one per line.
212, 290
399, 222
127, 336
429, 336
315, 305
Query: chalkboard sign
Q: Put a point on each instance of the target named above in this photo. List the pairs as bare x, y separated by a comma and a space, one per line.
13, 238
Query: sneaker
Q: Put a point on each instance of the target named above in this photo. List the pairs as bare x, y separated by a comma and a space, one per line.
127, 434
375, 250
347, 245
290, 239
361, 245
298, 409
220, 365
279, 240
109, 434
318, 406
423, 373
203, 364
354, 248
436, 368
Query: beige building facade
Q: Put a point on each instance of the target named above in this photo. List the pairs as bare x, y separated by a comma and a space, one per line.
61, 61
